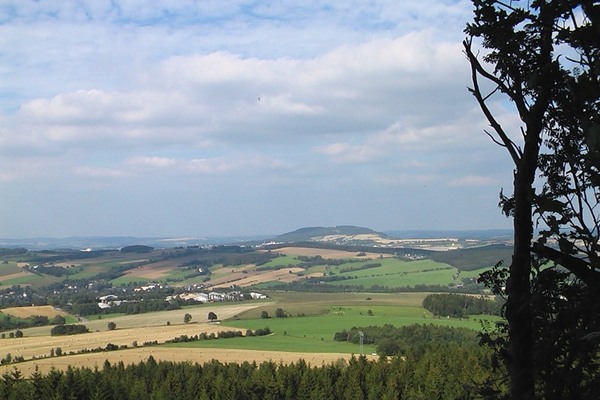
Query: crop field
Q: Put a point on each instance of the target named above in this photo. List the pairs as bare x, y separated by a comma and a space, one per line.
328, 254
163, 353
399, 278
178, 269
89, 270
473, 274
307, 333
9, 267
391, 273
24, 312
22, 278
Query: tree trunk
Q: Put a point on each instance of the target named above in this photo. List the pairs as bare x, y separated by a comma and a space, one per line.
518, 288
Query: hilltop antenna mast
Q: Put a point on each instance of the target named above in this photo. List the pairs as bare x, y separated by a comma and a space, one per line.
361, 338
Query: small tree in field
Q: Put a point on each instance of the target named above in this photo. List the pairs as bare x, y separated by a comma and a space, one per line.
187, 318
264, 315
111, 326
212, 316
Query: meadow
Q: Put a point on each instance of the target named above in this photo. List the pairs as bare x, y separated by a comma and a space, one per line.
313, 319
179, 267
307, 331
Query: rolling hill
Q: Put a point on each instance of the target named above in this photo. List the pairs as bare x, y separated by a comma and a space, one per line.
327, 234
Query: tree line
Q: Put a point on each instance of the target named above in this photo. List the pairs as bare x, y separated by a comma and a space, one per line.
442, 373
415, 338
460, 306
8, 322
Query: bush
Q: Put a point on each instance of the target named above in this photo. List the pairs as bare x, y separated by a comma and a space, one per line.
59, 330
388, 347
262, 332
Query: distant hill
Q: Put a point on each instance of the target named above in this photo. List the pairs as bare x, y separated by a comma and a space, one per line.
481, 234
320, 233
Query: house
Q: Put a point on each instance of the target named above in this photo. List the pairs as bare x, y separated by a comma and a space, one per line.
216, 296
258, 296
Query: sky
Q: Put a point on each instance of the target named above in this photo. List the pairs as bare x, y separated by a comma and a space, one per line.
209, 118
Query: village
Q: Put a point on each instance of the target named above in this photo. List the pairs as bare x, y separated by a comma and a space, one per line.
190, 293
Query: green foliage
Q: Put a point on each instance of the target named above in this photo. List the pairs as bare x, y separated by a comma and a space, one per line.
12, 251
9, 322
474, 258
567, 320
74, 329
262, 331
460, 306
111, 326
543, 56
440, 373
279, 313
137, 248
413, 337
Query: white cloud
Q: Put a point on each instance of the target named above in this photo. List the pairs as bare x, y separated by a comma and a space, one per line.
354, 88
211, 97
92, 172
151, 162
474, 180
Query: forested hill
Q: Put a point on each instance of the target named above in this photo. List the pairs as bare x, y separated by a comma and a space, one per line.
474, 258
310, 233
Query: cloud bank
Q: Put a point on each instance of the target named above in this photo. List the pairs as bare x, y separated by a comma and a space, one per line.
202, 119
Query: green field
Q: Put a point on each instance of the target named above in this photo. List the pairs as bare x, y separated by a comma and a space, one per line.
326, 314
33, 281
474, 273
278, 342
9, 267
392, 272
282, 261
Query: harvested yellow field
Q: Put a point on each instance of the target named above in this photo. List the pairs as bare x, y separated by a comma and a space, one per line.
139, 328
150, 272
253, 278
327, 253
24, 312
229, 270
155, 270
39, 346
201, 355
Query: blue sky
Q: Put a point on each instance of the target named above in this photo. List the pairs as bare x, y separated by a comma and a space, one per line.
217, 118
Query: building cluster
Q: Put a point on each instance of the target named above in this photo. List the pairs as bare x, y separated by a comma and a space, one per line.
112, 300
